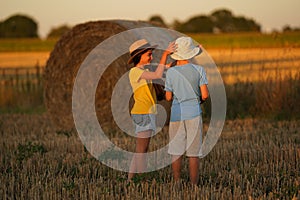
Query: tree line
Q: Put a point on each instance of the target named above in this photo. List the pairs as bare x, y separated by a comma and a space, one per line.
219, 21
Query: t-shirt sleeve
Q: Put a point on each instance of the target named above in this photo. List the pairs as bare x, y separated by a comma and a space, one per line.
136, 74
168, 83
203, 78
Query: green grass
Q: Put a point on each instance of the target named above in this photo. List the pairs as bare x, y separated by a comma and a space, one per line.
26, 44
229, 40
248, 40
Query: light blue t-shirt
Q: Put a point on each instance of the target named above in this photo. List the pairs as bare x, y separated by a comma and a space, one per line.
184, 82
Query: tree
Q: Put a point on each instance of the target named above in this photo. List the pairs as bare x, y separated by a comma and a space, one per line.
219, 21
287, 28
243, 24
225, 21
176, 24
18, 26
58, 31
156, 19
198, 24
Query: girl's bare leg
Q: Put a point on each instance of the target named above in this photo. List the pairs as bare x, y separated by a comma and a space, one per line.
138, 162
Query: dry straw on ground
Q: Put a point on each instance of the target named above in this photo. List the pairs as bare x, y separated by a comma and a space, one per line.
254, 159
65, 60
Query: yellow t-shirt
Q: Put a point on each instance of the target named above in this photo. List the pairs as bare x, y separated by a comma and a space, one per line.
143, 93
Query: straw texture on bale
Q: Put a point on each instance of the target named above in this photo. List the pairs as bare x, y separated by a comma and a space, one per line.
63, 65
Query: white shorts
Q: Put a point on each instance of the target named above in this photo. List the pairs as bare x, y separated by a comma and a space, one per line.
186, 136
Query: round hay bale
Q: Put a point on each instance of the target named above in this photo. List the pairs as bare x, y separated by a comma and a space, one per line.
65, 61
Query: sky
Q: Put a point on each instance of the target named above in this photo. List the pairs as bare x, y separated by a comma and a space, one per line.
270, 14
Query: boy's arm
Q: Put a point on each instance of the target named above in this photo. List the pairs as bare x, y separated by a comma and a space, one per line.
204, 93
169, 95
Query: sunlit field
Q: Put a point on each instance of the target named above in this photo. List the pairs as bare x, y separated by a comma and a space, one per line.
23, 59
256, 157
258, 81
253, 159
255, 65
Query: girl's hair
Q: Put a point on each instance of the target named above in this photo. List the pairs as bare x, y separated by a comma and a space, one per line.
137, 59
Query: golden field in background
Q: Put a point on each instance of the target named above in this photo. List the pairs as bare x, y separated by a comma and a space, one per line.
23, 59
256, 64
235, 65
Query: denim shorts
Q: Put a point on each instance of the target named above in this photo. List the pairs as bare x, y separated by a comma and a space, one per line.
143, 122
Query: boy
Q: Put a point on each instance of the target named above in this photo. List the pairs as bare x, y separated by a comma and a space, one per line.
186, 85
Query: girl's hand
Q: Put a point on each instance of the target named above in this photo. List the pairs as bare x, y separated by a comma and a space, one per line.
171, 64
171, 48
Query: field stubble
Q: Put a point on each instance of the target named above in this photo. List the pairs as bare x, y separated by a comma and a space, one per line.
253, 159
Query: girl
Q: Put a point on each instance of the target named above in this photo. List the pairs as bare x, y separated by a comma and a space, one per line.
144, 109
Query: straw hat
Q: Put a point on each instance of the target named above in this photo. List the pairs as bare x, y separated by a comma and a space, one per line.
138, 47
185, 49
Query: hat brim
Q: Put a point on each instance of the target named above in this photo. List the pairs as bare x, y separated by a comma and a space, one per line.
130, 60
177, 56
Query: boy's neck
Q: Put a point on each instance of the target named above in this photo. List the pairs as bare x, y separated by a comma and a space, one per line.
182, 62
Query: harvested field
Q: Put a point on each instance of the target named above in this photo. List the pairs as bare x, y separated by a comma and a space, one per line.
23, 59
255, 65
253, 159
247, 73
234, 64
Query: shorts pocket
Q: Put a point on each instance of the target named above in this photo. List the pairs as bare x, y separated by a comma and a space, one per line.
137, 119
141, 120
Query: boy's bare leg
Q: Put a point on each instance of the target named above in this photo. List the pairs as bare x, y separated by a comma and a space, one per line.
176, 167
194, 169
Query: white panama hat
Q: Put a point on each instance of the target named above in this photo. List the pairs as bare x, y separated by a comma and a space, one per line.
185, 49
